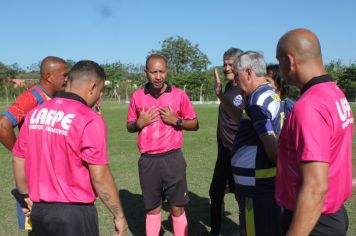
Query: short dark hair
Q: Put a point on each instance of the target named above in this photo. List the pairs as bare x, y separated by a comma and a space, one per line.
280, 82
155, 56
86, 68
232, 53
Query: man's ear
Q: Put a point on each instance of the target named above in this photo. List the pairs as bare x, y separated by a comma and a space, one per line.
290, 62
249, 73
48, 77
91, 86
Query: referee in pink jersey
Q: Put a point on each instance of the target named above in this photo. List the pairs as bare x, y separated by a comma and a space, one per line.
60, 164
314, 172
53, 76
159, 112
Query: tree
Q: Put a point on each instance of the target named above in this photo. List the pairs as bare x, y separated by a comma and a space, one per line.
7, 72
34, 67
70, 63
182, 56
16, 67
345, 77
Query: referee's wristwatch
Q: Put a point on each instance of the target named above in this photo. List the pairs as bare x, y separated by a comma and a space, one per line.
179, 123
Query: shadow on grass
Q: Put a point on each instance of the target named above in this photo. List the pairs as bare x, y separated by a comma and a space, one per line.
198, 215
134, 211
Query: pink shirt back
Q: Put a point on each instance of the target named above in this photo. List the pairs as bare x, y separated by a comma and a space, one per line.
57, 140
159, 137
319, 128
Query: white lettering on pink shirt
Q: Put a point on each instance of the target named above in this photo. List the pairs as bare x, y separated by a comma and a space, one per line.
344, 110
47, 120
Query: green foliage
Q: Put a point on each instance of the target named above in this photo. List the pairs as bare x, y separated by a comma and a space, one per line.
123, 79
34, 67
16, 67
7, 71
70, 63
182, 55
344, 76
114, 72
196, 84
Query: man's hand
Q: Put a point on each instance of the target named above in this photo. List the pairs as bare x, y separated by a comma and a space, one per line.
147, 117
217, 83
120, 226
27, 211
168, 116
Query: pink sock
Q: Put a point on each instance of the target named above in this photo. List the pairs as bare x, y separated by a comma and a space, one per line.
180, 225
153, 224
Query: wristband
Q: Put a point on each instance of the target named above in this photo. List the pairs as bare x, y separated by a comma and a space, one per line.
179, 124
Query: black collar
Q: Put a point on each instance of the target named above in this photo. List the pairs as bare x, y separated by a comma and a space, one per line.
314, 81
147, 90
70, 95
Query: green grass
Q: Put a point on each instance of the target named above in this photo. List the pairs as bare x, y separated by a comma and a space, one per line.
200, 153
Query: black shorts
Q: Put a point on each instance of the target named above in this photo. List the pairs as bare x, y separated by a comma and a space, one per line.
335, 224
163, 176
58, 219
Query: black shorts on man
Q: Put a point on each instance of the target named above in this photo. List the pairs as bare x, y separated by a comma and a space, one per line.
163, 176
70, 219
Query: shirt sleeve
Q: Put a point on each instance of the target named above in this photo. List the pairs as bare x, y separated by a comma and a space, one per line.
93, 145
261, 118
311, 133
187, 111
19, 109
132, 111
236, 100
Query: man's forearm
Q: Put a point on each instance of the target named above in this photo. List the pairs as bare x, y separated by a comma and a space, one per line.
7, 134
308, 211
270, 145
18, 165
191, 125
132, 127
106, 189
310, 199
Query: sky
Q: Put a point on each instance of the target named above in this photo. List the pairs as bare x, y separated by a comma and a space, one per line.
109, 31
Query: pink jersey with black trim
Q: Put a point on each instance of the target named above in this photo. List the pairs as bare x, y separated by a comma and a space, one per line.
159, 137
319, 128
58, 140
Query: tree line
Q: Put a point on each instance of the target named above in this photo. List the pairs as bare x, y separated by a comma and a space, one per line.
189, 70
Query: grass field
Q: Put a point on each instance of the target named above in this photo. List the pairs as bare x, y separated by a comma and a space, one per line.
200, 152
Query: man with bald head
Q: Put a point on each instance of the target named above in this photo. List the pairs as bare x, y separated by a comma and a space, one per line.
53, 72
314, 171
57, 139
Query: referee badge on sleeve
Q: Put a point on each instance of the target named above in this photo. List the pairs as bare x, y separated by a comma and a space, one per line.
237, 100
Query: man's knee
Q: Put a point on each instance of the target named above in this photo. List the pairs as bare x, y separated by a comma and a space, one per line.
177, 211
154, 211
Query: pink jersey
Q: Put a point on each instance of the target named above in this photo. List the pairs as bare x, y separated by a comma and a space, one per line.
58, 140
159, 137
319, 128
